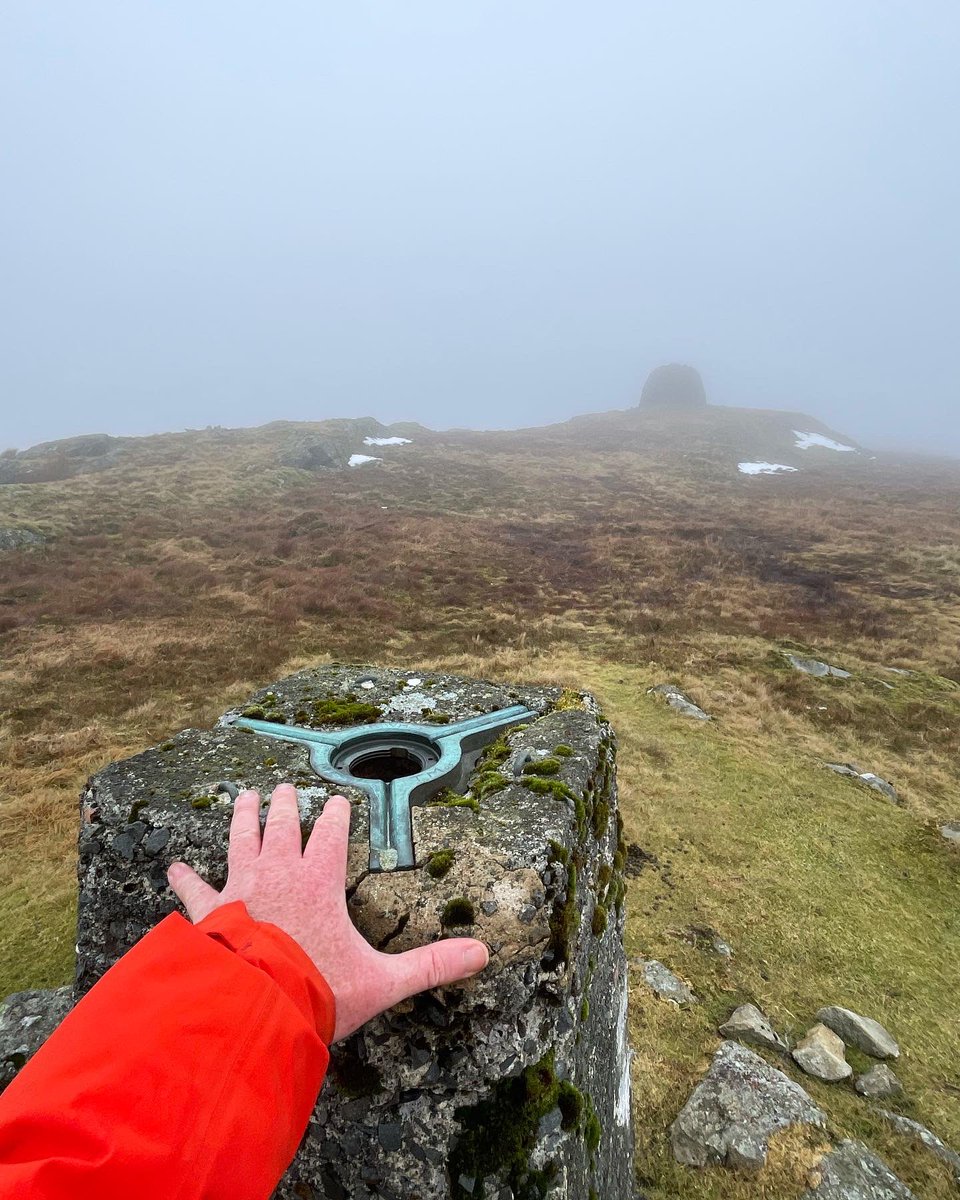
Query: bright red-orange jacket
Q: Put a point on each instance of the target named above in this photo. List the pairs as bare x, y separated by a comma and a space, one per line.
187, 1073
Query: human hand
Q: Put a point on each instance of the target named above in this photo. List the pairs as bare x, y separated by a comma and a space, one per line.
304, 894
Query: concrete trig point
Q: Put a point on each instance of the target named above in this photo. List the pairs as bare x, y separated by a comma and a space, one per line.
499, 804
397, 765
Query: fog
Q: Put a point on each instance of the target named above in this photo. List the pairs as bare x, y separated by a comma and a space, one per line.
485, 213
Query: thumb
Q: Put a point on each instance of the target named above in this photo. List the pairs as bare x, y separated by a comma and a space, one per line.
433, 966
197, 897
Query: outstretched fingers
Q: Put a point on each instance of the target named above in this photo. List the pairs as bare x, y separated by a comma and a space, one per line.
281, 832
244, 830
197, 897
330, 840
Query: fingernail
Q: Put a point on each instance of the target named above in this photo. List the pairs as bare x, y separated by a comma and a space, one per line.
475, 958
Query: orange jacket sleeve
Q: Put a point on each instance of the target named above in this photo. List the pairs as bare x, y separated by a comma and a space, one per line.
187, 1073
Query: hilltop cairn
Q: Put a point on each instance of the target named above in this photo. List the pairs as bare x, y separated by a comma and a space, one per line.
673, 386
516, 1082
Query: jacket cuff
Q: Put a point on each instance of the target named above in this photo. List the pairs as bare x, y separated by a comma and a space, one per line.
266, 947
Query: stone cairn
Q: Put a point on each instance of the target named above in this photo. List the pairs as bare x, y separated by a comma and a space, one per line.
512, 1086
673, 386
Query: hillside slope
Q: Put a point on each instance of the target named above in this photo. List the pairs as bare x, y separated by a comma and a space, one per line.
614, 552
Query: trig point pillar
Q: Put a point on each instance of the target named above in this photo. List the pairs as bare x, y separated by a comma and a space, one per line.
478, 809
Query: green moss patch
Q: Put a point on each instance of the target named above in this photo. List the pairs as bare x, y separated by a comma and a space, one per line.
458, 911
439, 863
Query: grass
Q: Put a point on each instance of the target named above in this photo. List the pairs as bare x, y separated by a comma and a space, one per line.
606, 556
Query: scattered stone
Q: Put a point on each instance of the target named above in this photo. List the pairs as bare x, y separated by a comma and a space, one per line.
748, 1024
673, 386
706, 938
863, 1032
878, 1083
852, 1172
820, 1054
736, 1108
951, 831
20, 539
813, 666
637, 859
898, 671
663, 982
867, 777
26, 1021
935, 1145
679, 700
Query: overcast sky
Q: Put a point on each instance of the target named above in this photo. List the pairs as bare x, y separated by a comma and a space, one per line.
481, 213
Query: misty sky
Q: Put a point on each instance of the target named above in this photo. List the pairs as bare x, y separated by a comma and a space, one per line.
481, 213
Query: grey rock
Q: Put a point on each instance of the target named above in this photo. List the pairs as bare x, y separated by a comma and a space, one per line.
813, 666
735, 1110
673, 385
20, 539
26, 1021
937, 1147
820, 1054
748, 1024
470, 1038
867, 777
951, 831
679, 701
878, 1083
852, 1172
863, 1032
664, 982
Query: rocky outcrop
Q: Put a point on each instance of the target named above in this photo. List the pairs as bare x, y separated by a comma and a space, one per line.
516, 1078
927, 1138
867, 777
878, 1083
736, 1108
748, 1024
679, 701
51, 461
821, 1054
26, 1021
20, 539
663, 982
863, 1032
673, 386
950, 831
813, 666
852, 1172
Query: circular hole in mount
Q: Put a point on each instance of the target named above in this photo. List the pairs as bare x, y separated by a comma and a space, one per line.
387, 763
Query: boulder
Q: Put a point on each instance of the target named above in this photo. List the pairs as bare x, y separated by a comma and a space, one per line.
821, 1055
951, 831
26, 1021
20, 539
878, 1083
673, 386
679, 701
813, 666
482, 1089
867, 777
662, 981
863, 1032
735, 1110
748, 1024
927, 1138
852, 1172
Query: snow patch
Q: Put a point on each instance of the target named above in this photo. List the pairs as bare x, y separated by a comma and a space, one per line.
762, 468
806, 440
394, 441
358, 460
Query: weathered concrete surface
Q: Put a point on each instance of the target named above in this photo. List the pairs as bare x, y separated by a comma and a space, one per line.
736, 1108
513, 1082
26, 1021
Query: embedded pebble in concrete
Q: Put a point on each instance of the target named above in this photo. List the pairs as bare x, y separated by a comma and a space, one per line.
532, 864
